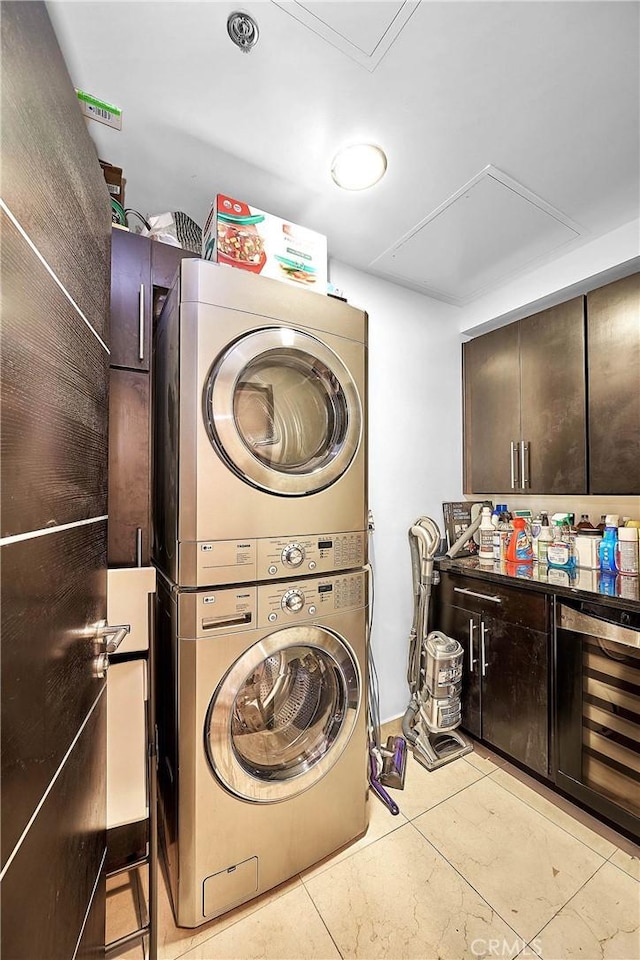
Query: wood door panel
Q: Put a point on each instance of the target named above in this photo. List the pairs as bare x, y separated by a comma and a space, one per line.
553, 398
54, 393
51, 179
130, 280
613, 338
491, 409
56, 863
129, 466
53, 589
515, 693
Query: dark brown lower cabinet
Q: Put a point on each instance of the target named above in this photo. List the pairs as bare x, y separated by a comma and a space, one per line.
129, 451
505, 686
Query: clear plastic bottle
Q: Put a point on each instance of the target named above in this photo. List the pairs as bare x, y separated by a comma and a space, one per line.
486, 530
544, 539
627, 552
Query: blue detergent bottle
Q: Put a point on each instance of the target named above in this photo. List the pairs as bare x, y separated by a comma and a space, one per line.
608, 545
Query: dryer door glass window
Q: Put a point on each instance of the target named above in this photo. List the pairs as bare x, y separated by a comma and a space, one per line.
283, 411
278, 723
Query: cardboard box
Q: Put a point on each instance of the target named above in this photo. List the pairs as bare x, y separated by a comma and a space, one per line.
248, 238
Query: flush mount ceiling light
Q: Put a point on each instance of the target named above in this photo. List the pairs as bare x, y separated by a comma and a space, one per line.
358, 166
243, 30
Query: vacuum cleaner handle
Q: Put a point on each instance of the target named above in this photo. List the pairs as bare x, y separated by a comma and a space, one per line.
382, 794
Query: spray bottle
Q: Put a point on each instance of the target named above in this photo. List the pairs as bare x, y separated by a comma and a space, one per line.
609, 545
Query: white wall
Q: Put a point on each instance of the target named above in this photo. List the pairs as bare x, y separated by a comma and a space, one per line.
415, 439
566, 276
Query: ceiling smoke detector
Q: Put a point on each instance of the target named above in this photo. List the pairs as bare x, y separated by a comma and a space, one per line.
243, 30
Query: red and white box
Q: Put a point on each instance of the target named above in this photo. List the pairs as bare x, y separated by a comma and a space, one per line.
248, 238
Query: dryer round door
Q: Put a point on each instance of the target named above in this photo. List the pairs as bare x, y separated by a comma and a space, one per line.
281, 717
283, 411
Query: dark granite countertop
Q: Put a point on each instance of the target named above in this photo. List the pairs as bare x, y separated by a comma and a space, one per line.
616, 591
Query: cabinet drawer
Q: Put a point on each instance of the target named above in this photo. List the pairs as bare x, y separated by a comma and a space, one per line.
495, 599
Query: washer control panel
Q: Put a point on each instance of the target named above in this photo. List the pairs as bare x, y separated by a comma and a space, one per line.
309, 599
280, 556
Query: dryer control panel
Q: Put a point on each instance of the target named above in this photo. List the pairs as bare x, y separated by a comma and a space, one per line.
301, 600
288, 556
219, 562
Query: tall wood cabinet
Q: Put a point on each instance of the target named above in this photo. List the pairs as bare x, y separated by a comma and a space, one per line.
141, 272
524, 405
613, 338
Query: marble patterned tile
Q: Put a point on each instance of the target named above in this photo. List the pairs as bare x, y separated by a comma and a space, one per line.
629, 864
524, 865
481, 763
400, 899
424, 788
381, 822
174, 941
554, 813
601, 922
288, 928
392, 728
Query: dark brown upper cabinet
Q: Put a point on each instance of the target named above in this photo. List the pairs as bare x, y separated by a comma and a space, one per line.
613, 340
525, 407
131, 300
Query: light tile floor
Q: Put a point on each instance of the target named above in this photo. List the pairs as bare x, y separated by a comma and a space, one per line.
481, 862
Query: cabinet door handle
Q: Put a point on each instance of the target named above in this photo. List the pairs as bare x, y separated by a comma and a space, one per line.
472, 659
514, 464
483, 652
524, 460
141, 323
138, 546
480, 596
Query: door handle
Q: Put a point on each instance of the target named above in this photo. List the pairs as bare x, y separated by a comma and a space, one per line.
524, 460
472, 659
514, 464
141, 323
483, 652
109, 638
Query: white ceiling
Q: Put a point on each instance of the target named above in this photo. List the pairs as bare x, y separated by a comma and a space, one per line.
546, 92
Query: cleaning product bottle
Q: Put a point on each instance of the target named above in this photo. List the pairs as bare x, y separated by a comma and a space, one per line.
561, 552
545, 537
602, 523
486, 535
519, 549
536, 527
585, 523
627, 552
608, 547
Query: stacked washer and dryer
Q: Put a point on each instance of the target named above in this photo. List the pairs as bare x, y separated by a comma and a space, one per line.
260, 536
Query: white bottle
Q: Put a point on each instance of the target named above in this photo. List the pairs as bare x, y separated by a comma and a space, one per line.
627, 551
545, 537
486, 535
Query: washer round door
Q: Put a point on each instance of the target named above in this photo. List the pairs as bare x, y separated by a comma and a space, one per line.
282, 715
283, 411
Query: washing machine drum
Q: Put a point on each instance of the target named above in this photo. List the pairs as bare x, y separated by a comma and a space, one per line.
283, 412
283, 714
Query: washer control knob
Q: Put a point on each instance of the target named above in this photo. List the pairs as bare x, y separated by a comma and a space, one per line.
273, 569
312, 609
293, 555
312, 564
272, 617
293, 601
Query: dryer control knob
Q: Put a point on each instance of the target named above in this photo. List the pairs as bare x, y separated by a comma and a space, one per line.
293, 601
293, 555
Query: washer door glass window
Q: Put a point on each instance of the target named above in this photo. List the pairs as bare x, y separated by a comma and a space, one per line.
283, 411
283, 714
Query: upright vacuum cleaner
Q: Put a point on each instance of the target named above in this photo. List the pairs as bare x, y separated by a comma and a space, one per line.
435, 664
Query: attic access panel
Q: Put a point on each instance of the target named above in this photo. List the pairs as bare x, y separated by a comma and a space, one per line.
364, 31
488, 230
